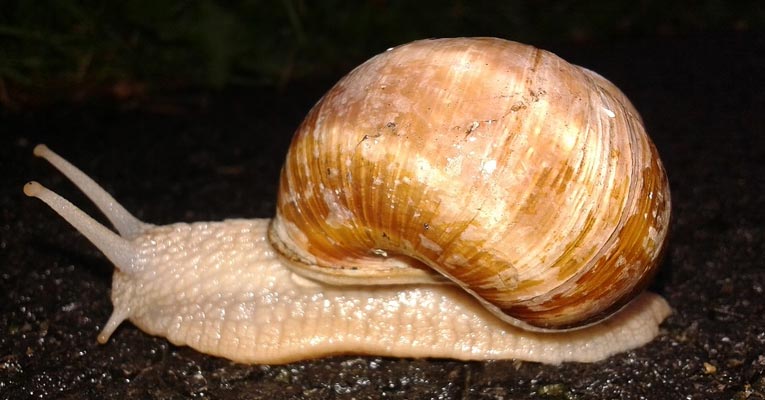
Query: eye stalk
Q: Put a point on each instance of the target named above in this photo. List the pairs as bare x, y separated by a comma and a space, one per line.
126, 224
116, 248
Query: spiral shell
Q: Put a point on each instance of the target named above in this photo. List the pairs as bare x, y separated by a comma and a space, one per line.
528, 181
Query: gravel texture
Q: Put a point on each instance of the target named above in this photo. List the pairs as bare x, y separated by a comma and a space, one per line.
200, 157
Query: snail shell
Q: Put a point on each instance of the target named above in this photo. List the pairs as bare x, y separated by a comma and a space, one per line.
526, 180
435, 174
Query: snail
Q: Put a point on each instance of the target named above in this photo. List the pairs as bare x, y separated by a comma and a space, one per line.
466, 198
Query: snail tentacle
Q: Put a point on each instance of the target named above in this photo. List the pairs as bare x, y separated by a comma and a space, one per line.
120, 251
126, 224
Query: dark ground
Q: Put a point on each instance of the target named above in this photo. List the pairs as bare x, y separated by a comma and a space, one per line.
199, 157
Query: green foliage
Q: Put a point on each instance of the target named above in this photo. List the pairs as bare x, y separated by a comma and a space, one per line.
214, 44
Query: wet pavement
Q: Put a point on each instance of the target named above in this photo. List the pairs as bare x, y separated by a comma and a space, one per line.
193, 157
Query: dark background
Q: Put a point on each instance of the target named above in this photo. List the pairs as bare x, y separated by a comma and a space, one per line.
183, 110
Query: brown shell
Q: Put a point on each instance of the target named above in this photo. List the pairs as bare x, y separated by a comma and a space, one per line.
527, 180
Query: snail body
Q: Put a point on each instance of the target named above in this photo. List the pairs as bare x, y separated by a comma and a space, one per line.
460, 198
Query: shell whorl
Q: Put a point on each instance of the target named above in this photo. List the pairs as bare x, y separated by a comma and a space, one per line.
528, 181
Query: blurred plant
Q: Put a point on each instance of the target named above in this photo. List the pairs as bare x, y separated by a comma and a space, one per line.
69, 45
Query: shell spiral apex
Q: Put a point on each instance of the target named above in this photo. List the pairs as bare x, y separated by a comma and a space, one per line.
526, 180
468, 198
